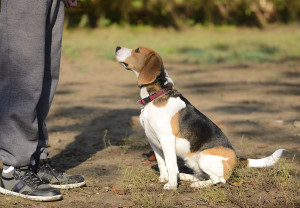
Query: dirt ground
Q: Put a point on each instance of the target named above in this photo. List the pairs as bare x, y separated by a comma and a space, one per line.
93, 128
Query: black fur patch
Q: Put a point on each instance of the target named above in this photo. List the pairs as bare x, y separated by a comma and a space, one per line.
199, 130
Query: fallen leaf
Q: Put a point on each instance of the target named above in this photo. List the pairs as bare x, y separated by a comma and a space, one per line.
237, 183
118, 191
245, 102
117, 152
152, 158
147, 162
262, 145
234, 183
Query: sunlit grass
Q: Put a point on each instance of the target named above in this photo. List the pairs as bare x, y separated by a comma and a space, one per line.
192, 45
143, 187
278, 186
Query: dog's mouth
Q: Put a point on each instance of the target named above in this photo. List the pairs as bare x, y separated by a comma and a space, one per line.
124, 64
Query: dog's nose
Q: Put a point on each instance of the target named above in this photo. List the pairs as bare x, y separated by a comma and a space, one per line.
118, 48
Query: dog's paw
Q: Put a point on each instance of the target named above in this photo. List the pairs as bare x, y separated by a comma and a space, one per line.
202, 184
168, 186
163, 179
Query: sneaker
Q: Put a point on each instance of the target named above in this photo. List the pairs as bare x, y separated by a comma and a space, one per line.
23, 182
57, 179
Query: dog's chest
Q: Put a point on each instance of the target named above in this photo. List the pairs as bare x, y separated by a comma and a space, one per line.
157, 120
148, 123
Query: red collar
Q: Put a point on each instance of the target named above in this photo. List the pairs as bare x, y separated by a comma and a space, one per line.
152, 97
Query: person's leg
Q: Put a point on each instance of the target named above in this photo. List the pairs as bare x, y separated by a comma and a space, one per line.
22, 61
54, 31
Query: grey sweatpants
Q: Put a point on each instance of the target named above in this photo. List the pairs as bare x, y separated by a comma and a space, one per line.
30, 47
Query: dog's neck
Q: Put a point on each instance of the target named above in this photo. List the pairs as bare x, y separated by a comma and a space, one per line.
166, 83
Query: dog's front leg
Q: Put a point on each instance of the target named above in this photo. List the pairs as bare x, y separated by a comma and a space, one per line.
163, 177
168, 147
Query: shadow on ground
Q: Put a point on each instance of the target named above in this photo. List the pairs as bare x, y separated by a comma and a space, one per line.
108, 127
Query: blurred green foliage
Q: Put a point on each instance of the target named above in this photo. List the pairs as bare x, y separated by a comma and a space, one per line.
176, 13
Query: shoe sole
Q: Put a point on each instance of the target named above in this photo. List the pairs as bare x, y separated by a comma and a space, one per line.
68, 186
34, 198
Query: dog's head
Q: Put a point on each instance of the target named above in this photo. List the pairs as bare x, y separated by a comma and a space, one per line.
145, 62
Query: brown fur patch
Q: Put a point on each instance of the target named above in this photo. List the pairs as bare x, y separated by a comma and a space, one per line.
175, 125
160, 102
228, 165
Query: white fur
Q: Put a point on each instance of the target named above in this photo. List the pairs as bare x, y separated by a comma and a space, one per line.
144, 93
203, 163
169, 80
182, 147
267, 161
136, 73
122, 54
187, 177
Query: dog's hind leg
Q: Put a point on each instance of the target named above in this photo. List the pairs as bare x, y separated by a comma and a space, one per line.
213, 166
193, 163
187, 177
211, 181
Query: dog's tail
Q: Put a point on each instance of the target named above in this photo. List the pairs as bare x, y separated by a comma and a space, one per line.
261, 163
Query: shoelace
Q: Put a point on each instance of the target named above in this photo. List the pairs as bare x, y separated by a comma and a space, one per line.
44, 165
29, 177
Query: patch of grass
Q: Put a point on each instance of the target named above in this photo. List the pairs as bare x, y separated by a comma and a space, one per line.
135, 143
193, 45
144, 190
278, 186
70, 52
214, 195
104, 138
83, 69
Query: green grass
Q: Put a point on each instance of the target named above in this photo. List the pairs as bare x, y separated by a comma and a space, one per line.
143, 187
192, 45
278, 186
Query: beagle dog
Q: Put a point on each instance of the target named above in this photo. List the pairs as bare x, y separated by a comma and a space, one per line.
175, 128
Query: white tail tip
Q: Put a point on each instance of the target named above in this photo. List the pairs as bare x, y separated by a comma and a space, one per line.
267, 161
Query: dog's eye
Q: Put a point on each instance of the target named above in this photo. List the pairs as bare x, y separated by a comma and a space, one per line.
137, 50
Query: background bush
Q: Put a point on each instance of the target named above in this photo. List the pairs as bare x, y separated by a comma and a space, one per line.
176, 13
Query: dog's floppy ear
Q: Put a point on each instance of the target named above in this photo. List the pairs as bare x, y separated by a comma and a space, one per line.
152, 69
